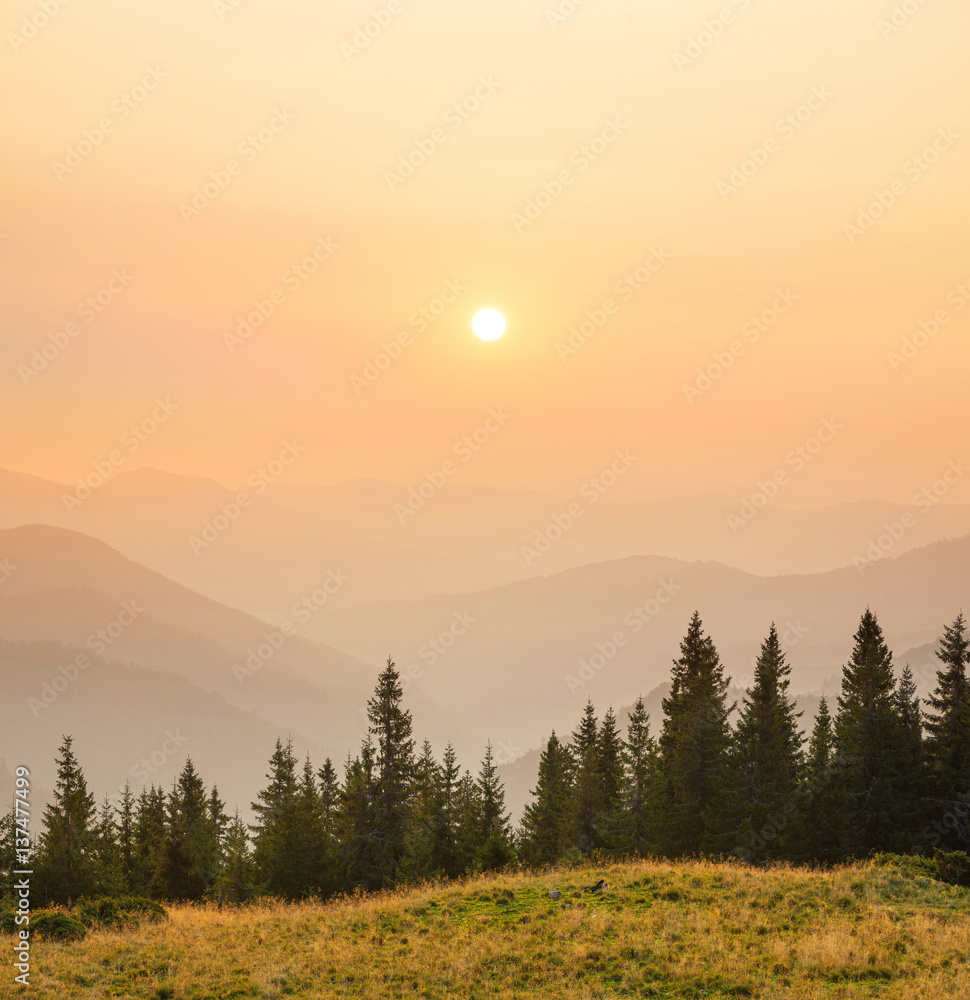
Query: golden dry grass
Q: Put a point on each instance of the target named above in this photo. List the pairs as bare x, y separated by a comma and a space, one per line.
664, 930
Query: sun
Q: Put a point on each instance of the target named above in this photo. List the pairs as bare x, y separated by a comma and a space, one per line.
489, 324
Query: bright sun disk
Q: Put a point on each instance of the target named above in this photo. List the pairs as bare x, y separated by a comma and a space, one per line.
489, 324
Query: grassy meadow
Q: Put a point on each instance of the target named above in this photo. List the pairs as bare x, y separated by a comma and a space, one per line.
685, 930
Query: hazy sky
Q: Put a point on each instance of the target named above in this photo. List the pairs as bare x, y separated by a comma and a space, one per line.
727, 152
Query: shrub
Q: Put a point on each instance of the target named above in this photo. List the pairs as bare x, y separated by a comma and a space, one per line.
117, 911
56, 925
7, 921
953, 866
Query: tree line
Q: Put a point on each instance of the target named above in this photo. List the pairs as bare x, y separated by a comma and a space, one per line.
884, 773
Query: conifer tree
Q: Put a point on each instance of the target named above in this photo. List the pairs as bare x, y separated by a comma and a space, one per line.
494, 830
359, 854
310, 860
274, 832
237, 881
390, 726
149, 844
467, 822
910, 763
948, 743
609, 768
217, 816
632, 827
766, 763
547, 822
127, 860
587, 794
106, 857
329, 797
419, 861
867, 740
191, 858
66, 859
819, 839
694, 745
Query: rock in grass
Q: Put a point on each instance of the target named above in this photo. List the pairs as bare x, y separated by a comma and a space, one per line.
555, 895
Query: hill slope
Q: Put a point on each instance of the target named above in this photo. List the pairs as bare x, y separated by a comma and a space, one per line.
688, 930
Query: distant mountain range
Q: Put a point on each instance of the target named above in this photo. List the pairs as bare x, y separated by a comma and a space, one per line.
463, 539
331, 583
93, 644
533, 651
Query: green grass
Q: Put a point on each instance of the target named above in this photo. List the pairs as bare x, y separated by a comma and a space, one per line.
692, 930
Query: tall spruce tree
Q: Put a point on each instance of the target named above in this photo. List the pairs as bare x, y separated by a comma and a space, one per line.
547, 822
632, 827
191, 857
868, 742
494, 830
127, 860
390, 726
587, 794
237, 881
609, 772
274, 832
106, 855
66, 849
149, 850
763, 779
910, 762
309, 844
359, 851
948, 743
819, 840
694, 746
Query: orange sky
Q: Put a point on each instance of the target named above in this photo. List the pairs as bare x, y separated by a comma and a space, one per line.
171, 93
